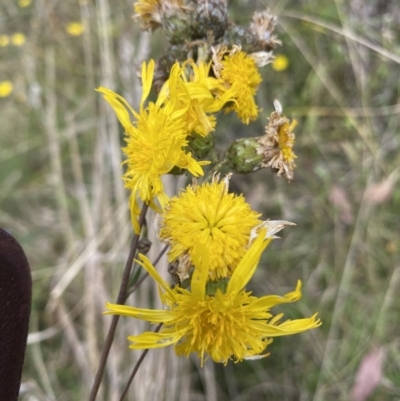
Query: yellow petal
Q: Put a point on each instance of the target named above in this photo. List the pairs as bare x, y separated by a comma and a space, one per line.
268, 301
198, 91
193, 166
163, 199
163, 94
120, 106
246, 267
200, 273
147, 80
291, 327
148, 339
153, 316
154, 274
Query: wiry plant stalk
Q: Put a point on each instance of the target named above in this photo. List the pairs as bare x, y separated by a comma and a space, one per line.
120, 300
136, 367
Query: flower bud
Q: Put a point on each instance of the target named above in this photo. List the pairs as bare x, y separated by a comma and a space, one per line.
211, 16
242, 156
213, 286
201, 146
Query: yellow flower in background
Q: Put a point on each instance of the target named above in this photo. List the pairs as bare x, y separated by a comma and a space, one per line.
208, 214
74, 28
4, 40
18, 39
24, 3
155, 141
281, 63
240, 74
6, 87
231, 324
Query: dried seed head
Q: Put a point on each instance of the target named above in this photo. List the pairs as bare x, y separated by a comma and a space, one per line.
262, 26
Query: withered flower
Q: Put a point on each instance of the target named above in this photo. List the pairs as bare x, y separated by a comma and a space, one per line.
274, 149
276, 145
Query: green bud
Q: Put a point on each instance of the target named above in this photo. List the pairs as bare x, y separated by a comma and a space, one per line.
242, 156
201, 146
213, 286
177, 28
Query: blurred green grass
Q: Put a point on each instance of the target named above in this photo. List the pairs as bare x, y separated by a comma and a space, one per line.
62, 197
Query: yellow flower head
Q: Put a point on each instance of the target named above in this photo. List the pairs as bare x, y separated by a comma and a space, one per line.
74, 28
24, 3
155, 141
240, 75
281, 63
231, 324
224, 223
208, 214
277, 143
6, 87
18, 39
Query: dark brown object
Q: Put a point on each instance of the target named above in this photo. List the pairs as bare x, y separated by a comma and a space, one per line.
15, 307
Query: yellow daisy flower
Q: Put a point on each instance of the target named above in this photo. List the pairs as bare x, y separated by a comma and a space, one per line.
207, 213
239, 73
232, 324
155, 141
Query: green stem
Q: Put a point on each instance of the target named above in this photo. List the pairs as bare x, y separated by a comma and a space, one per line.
217, 166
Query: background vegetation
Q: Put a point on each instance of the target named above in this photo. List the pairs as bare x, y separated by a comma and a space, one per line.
62, 197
